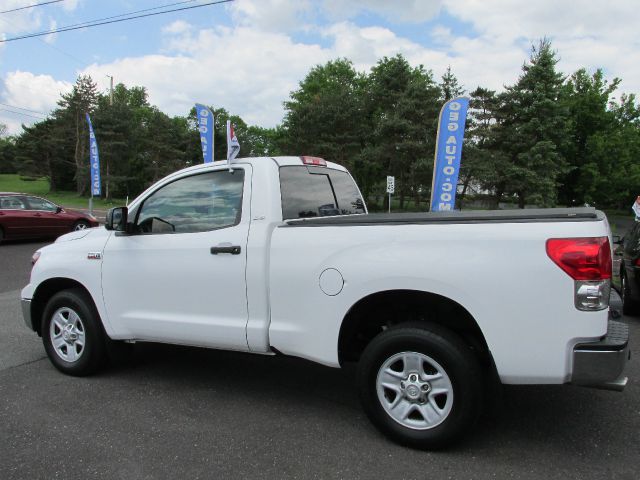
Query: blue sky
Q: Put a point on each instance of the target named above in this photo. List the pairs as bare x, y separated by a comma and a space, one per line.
63, 55
247, 55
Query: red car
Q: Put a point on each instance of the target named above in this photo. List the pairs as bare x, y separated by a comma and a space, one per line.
28, 216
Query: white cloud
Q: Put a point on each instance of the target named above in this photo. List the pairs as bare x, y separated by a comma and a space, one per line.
584, 33
270, 15
21, 21
290, 15
177, 27
251, 67
52, 36
38, 93
365, 45
246, 71
470, 59
70, 5
27, 20
514, 19
250, 72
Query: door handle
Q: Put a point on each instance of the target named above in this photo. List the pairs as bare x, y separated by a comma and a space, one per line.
232, 249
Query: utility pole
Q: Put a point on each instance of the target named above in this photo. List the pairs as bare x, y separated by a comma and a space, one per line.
111, 105
111, 91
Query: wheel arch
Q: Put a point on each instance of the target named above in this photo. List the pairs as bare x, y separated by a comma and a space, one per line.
378, 311
47, 289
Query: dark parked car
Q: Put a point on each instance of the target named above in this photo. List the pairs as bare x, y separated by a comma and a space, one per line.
630, 270
28, 216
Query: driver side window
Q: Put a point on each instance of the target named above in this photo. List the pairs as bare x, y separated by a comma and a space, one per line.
199, 203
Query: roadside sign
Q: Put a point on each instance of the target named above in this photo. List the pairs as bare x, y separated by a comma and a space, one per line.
391, 184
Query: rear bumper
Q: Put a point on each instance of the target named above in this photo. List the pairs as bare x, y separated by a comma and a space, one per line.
600, 364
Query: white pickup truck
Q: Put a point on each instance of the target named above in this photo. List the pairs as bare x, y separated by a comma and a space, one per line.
279, 256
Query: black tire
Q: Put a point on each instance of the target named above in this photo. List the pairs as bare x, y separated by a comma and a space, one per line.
452, 355
81, 225
1, 234
89, 356
629, 306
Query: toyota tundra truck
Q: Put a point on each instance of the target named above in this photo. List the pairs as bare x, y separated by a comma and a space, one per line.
280, 256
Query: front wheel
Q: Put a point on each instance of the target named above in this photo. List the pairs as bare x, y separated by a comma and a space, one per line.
81, 225
420, 385
72, 333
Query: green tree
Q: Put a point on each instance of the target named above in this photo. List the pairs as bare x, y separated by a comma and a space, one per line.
533, 129
259, 141
324, 116
449, 86
587, 98
39, 151
71, 126
612, 170
403, 104
483, 165
118, 127
7, 151
138, 143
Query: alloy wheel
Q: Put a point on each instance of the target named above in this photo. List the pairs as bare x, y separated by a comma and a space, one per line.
67, 334
414, 390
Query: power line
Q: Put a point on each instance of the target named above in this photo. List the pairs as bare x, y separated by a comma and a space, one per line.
30, 6
80, 62
76, 59
98, 23
20, 113
25, 109
90, 22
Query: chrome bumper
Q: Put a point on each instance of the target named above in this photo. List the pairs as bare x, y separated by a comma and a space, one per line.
600, 364
26, 313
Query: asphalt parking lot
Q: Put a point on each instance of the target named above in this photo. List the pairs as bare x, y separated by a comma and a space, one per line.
186, 413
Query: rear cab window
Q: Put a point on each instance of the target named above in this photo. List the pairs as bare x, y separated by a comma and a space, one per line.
309, 192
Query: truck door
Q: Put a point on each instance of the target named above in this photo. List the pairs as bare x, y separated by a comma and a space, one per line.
180, 276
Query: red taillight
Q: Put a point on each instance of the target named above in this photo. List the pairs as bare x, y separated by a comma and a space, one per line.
637, 262
587, 258
317, 161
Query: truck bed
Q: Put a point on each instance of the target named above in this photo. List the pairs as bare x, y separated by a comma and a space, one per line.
542, 215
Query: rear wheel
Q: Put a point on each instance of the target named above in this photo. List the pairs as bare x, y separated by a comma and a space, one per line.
1, 234
421, 386
72, 333
629, 306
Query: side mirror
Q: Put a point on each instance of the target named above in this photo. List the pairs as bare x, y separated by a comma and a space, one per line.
59, 210
617, 239
116, 219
